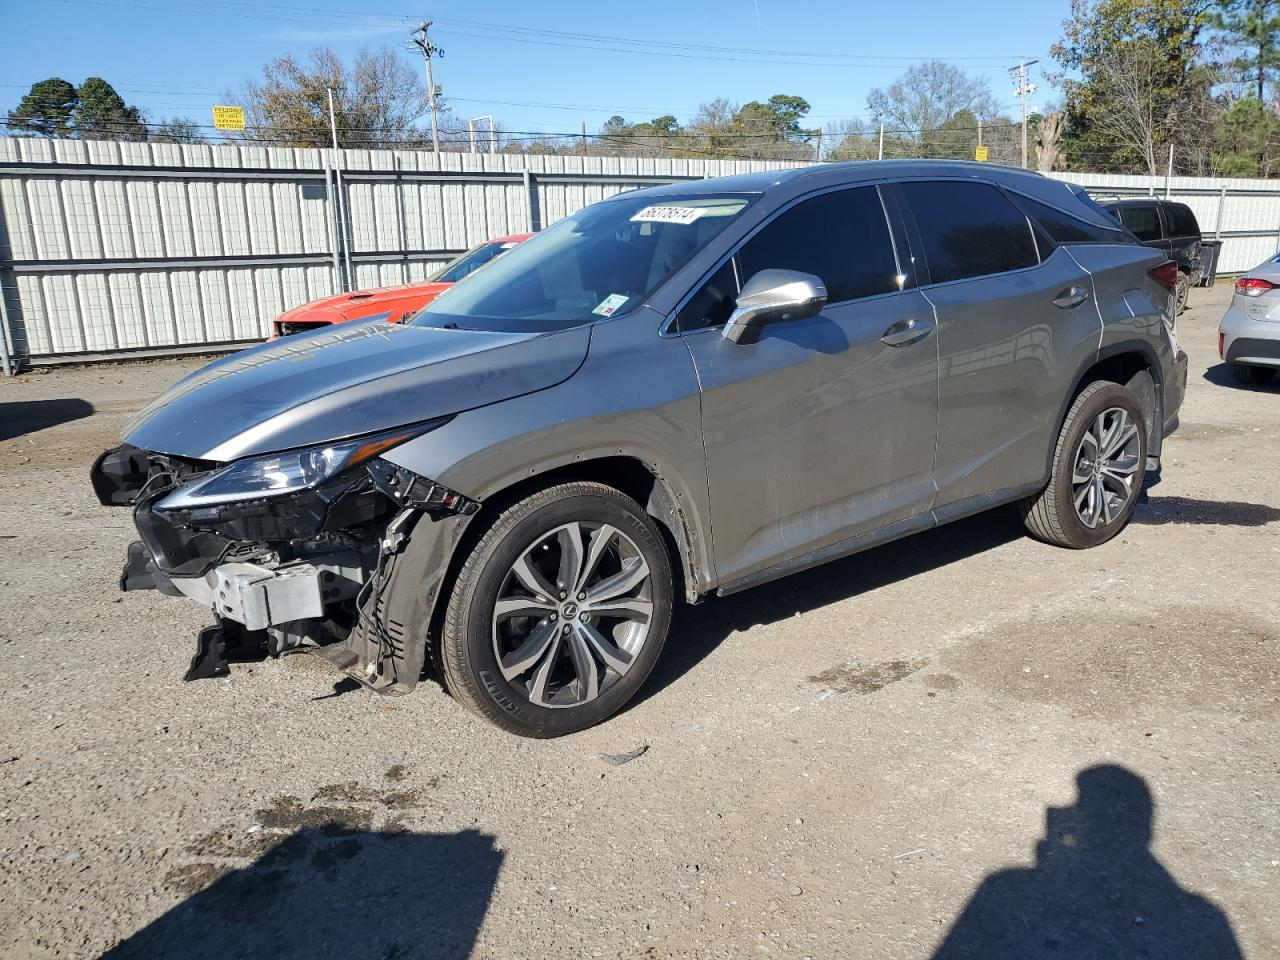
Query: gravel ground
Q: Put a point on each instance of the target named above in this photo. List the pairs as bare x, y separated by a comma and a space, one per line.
949, 746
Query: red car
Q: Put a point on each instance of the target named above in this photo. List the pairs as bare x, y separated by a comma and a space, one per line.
389, 303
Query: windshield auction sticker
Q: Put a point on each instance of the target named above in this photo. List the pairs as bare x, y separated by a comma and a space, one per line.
610, 304
685, 215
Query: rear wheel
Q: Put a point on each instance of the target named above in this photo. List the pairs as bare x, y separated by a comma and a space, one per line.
559, 612
1099, 465
1254, 375
1181, 292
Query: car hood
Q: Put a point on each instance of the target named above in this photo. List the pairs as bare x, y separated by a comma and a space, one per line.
363, 302
359, 378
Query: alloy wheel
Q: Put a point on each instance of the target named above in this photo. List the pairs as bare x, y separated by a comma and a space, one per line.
572, 614
1105, 468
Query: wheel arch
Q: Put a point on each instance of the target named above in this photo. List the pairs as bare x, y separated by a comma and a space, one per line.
1130, 363
659, 493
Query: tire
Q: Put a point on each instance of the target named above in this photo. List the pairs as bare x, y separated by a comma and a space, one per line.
1253, 375
1181, 293
1055, 516
594, 662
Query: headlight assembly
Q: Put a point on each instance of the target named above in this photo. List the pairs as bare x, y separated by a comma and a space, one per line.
277, 474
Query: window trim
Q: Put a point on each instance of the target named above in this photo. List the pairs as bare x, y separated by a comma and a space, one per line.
670, 326
1119, 228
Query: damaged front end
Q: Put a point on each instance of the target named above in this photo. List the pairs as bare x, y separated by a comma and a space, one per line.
291, 551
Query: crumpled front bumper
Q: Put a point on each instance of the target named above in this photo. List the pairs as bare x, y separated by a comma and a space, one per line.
304, 570
259, 597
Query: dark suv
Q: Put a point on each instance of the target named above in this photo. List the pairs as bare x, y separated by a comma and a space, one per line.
683, 391
1167, 226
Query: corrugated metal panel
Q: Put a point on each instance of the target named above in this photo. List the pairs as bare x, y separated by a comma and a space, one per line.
117, 246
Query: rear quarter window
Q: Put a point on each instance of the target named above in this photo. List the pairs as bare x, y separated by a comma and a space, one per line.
969, 229
1063, 227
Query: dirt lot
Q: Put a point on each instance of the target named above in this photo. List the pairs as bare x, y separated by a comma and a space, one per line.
849, 763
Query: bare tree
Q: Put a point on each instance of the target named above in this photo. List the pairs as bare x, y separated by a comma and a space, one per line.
378, 100
708, 133
927, 96
1049, 154
1132, 76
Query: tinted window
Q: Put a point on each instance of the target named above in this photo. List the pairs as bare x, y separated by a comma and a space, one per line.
1064, 228
841, 237
970, 230
1143, 221
712, 304
1182, 222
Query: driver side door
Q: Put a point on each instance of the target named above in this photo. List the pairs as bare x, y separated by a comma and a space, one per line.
820, 436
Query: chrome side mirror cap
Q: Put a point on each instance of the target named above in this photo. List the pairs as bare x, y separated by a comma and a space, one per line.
772, 296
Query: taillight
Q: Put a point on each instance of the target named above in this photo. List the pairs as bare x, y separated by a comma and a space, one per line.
1253, 286
1165, 274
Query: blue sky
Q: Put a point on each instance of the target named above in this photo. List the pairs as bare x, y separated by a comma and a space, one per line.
177, 56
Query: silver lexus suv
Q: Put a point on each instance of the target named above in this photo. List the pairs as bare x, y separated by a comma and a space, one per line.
677, 392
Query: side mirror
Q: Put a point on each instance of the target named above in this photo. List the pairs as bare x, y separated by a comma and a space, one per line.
772, 296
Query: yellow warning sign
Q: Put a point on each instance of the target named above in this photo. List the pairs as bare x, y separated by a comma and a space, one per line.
228, 118
978, 154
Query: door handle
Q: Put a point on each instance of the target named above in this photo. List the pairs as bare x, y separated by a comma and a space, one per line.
1071, 297
907, 331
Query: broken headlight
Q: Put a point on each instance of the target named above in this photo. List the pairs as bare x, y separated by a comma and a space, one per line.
276, 474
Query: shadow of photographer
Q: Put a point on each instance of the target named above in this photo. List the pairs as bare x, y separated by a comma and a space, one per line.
1096, 892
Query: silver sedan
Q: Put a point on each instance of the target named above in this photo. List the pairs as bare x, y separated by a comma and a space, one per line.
1249, 332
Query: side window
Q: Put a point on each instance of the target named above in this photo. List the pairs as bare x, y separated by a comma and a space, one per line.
1182, 222
1062, 227
712, 304
1143, 221
841, 237
969, 229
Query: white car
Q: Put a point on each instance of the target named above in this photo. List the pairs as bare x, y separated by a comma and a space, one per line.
1249, 332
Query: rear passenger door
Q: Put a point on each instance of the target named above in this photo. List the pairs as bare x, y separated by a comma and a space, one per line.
822, 431
1015, 320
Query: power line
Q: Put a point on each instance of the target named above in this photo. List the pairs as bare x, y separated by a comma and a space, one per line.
533, 35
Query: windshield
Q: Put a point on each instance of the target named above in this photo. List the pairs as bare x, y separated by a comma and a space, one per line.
599, 262
472, 260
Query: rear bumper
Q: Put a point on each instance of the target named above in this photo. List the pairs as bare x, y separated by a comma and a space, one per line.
1255, 350
1245, 340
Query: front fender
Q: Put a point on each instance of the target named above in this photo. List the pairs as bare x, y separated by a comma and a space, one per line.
636, 395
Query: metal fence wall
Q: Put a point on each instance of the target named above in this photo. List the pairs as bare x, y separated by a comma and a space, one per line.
121, 247
1244, 214
110, 248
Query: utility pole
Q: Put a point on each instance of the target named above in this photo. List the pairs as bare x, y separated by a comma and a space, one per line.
881, 153
344, 281
429, 49
817, 148
1021, 90
1168, 171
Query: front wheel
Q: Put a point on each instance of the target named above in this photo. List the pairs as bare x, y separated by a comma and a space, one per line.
1099, 465
559, 611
